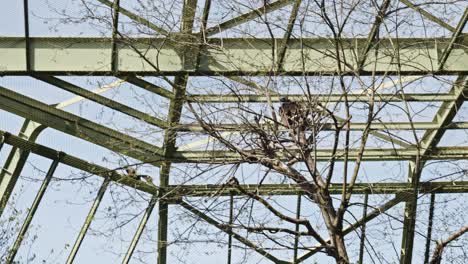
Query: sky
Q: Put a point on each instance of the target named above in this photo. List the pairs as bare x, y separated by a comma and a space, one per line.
67, 201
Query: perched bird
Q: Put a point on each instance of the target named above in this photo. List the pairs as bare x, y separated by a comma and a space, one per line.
294, 116
290, 112
131, 172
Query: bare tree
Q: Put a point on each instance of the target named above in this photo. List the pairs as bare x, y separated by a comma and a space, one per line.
290, 124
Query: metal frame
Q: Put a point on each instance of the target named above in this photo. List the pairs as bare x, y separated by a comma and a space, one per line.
194, 58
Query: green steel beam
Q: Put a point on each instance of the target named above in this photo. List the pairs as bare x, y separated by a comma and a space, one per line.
139, 231
330, 126
428, 15
79, 127
136, 18
228, 230
148, 86
455, 40
232, 56
26, 35
363, 231
115, 34
322, 98
370, 154
102, 100
174, 191
428, 143
231, 220
16, 158
430, 221
374, 32
297, 237
175, 111
170, 138
89, 219
287, 34
335, 188
246, 17
15, 161
32, 210
74, 162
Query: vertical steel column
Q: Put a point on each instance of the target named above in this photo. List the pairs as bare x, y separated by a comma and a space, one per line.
231, 215
2, 140
363, 230
89, 219
115, 32
140, 229
296, 239
32, 210
428, 142
26, 35
429, 228
15, 162
170, 136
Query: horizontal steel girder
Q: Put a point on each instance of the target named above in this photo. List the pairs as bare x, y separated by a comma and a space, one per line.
323, 98
206, 190
75, 162
335, 188
370, 154
232, 56
330, 126
79, 127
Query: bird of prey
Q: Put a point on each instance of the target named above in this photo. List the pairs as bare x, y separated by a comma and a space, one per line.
291, 113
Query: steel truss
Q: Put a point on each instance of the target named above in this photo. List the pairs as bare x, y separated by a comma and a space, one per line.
195, 57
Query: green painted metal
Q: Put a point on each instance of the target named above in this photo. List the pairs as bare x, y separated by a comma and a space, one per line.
231, 220
330, 126
428, 143
32, 210
170, 137
148, 86
456, 39
89, 219
371, 39
228, 230
206, 190
74, 162
269, 7
79, 127
26, 35
428, 15
175, 111
17, 157
297, 237
136, 18
430, 220
15, 162
115, 35
178, 191
322, 98
109, 56
370, 154
139, 231
287, 34
103, 100
64, 56
363, 230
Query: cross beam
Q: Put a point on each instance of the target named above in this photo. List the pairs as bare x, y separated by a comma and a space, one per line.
232, 56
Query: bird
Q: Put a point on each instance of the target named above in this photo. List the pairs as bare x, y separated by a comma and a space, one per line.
294, 116
131, 172
289, 112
